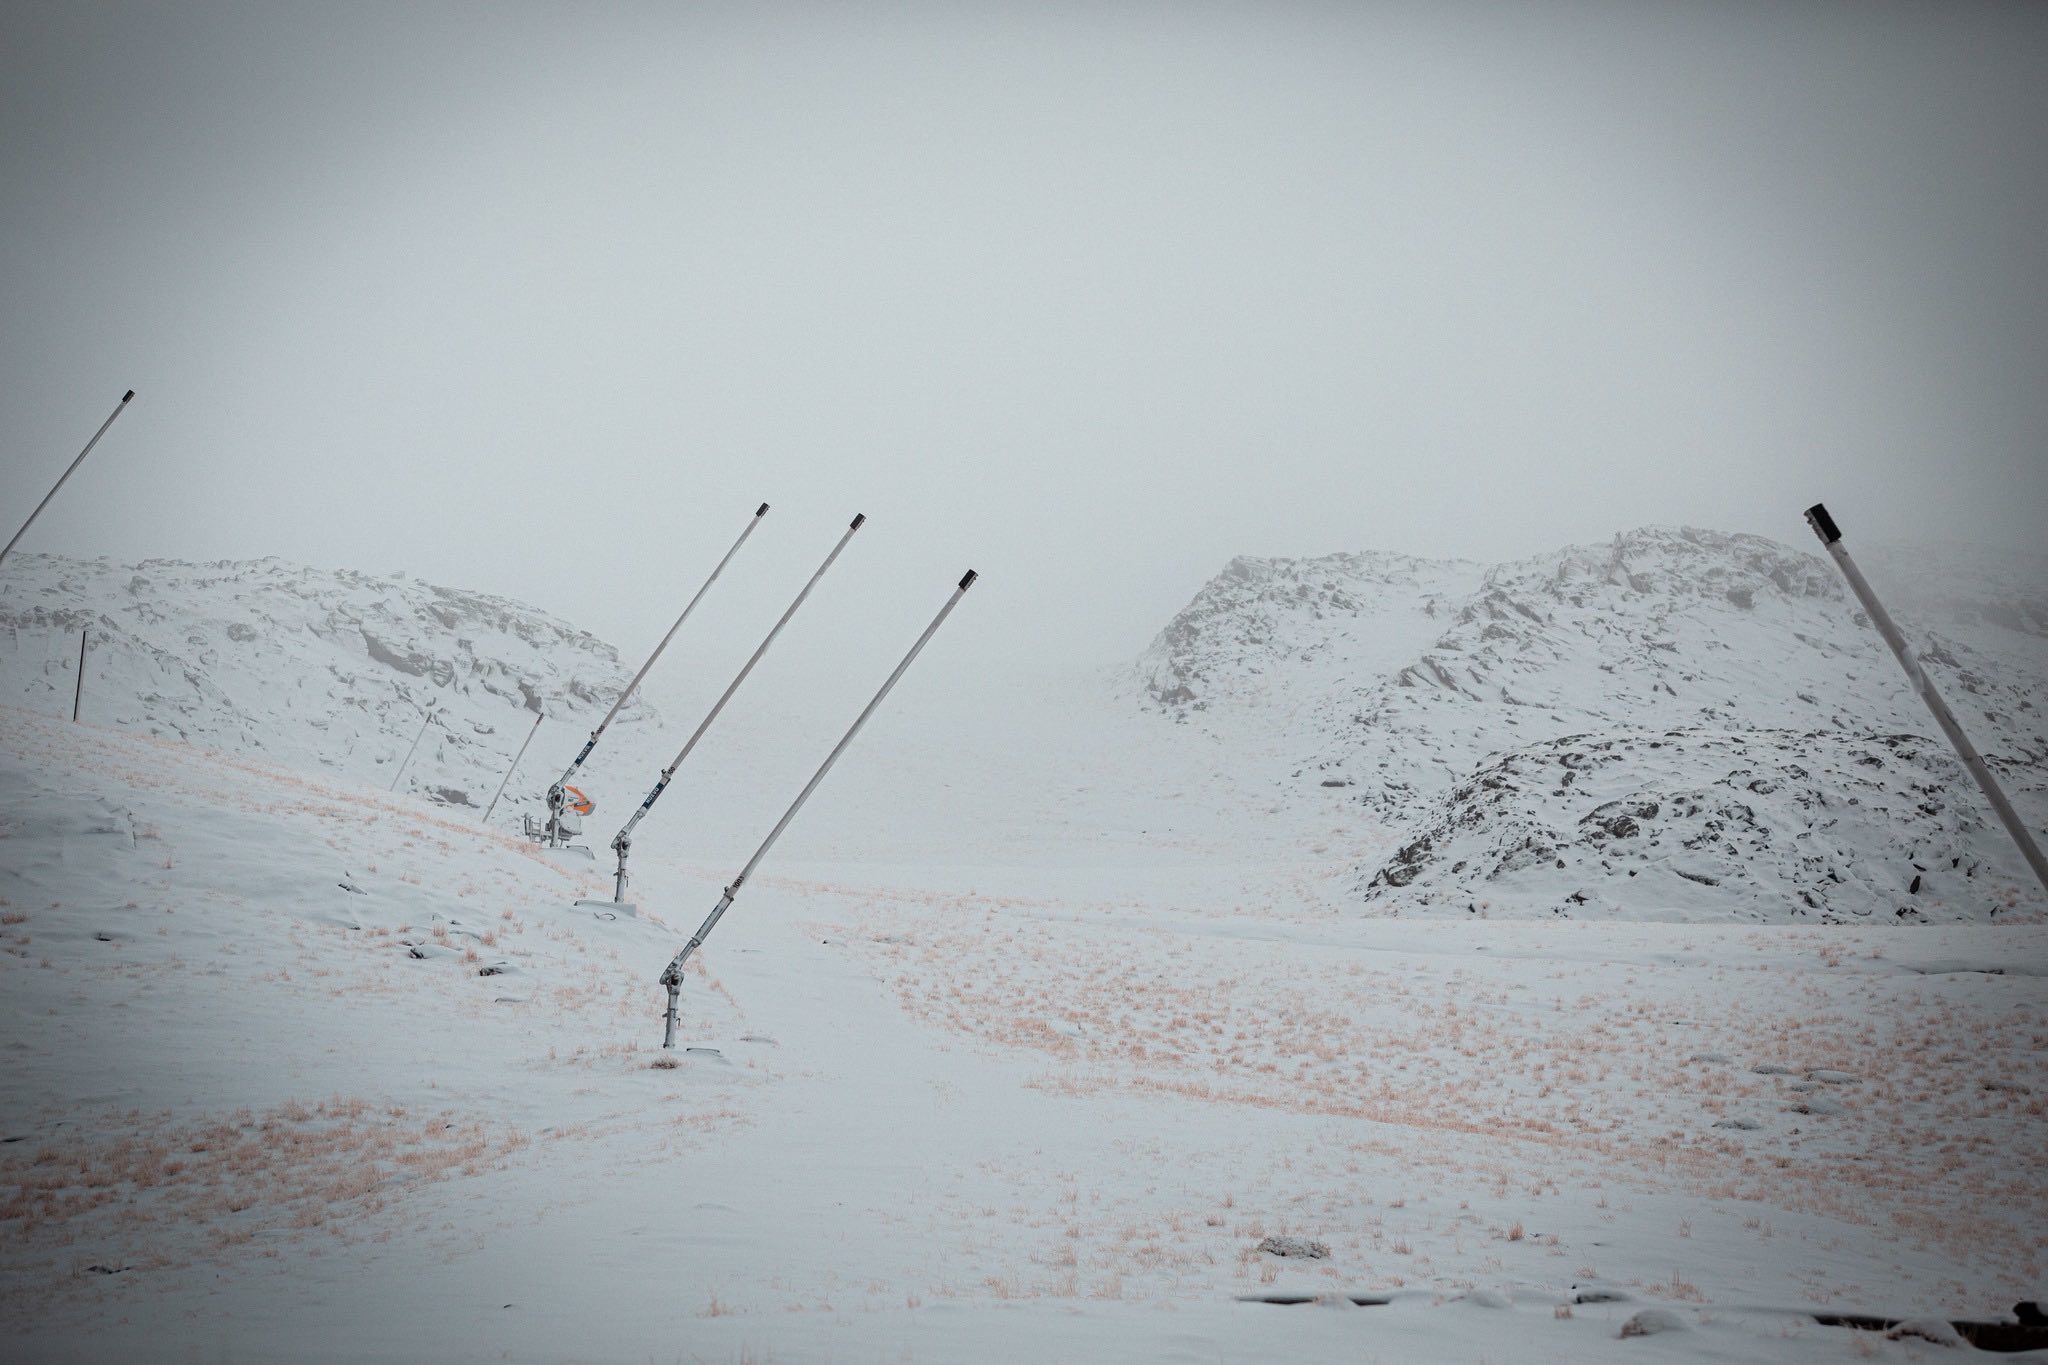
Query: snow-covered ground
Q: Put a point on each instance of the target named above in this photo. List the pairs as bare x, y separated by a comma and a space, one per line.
1044, 1018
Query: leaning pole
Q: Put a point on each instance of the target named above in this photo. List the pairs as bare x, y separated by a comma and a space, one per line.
1831, 536
537, 718
622, 842
672, 975
557, 793
119, 408
403, 762
78, 691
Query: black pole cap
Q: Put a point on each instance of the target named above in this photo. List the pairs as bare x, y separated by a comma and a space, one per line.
968, 581
858, 518
762, 510
1823, 525
128, 395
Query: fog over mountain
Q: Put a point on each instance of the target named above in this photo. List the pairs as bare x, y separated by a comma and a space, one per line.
1329, 859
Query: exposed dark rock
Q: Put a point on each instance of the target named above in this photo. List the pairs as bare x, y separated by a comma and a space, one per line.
1295, 1247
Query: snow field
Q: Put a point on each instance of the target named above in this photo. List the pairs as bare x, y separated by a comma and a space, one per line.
1042, 1101
247, 1014
1527, 1056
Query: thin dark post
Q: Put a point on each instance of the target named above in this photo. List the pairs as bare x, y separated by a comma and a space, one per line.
672, 975
119, 408
1831, 536
78, 689
513, 769
413, 750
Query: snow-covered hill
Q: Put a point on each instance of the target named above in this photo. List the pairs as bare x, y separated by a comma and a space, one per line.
308, 668
1678, 669
1265, 627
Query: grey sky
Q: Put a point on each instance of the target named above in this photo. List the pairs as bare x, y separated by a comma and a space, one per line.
544, 299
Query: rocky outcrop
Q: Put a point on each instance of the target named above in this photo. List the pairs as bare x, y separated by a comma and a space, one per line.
1529, 732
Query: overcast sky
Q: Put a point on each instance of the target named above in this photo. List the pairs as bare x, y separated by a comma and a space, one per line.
544, 299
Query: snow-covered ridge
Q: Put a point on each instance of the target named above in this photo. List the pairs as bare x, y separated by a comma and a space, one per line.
310, 668
1249, 631
1745, 655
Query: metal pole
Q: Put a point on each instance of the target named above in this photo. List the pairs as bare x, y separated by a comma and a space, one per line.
1831, 536
514, 768
668, 1019
119, 408
622, 842
78, 692
556, 796
672, 975
410, 752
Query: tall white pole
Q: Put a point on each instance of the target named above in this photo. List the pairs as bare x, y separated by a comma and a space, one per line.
622, 842
1831, 536
672, 975
119, 408
557, 796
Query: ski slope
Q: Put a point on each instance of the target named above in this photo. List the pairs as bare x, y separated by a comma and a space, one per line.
296, 1069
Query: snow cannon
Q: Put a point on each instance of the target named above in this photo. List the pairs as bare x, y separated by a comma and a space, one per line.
622, 842
672, 975
554, 830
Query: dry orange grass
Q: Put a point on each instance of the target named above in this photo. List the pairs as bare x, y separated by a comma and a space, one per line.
1566, 1058
144, 1185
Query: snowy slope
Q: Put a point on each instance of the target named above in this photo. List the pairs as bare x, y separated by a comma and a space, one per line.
292, 1069
1692, 664
330, 671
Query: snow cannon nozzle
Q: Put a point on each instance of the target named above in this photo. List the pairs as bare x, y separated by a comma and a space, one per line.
858, 518
1823, 525
762, 510
128, 395
968, 581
